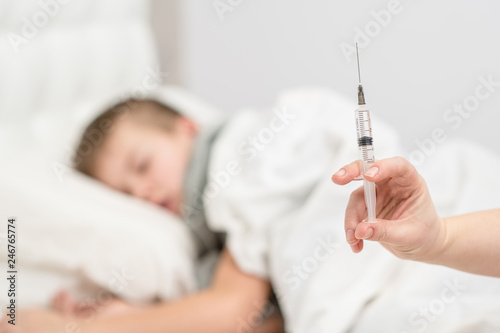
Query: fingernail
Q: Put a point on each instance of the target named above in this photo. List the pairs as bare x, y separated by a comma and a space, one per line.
372, 172
349, 235
340, 173
368, 233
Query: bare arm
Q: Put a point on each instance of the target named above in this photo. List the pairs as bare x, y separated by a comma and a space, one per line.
217, 309
234, 299
409, 225
472, 243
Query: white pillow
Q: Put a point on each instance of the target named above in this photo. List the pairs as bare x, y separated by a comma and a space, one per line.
84, 236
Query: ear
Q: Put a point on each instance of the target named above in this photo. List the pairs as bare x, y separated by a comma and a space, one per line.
187, 126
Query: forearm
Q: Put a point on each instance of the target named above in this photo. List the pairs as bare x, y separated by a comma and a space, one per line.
208, 311
234, 295
472, 243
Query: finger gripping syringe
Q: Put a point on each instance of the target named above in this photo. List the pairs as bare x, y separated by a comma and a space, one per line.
365, 146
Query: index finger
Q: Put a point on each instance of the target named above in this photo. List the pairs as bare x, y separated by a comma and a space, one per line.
347, 173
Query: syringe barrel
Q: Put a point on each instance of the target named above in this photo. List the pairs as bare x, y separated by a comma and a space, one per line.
367, 155
364, 132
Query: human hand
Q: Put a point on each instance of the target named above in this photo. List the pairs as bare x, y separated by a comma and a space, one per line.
64, 303
408, 224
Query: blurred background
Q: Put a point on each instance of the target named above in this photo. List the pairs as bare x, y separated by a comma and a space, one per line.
418, 59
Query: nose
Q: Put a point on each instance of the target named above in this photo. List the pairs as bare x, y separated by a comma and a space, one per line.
142, 189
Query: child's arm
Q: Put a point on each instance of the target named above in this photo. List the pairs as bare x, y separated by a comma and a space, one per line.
231, 304
233, 297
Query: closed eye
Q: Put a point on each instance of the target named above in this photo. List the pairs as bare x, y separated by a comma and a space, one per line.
143, 166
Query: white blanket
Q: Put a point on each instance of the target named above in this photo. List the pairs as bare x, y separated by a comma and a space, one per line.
271, 191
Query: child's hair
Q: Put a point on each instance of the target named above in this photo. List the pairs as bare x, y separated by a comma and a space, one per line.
143, 111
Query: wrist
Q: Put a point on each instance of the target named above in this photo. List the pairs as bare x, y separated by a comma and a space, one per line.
442, 243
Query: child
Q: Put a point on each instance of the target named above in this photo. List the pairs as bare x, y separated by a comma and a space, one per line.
152, 152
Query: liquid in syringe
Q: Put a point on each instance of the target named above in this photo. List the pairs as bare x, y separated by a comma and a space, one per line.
365, 147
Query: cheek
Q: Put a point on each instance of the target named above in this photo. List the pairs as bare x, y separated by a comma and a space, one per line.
168, 171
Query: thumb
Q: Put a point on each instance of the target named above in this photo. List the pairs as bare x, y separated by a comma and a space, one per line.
387, 231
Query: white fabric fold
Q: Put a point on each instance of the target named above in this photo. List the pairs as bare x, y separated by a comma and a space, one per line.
284, 218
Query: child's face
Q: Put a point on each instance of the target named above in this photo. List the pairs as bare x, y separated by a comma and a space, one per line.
147, 162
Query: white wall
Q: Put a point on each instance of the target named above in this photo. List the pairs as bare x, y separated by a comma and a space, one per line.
426, 59
60, 61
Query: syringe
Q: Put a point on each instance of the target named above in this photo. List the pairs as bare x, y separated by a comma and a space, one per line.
365, 147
